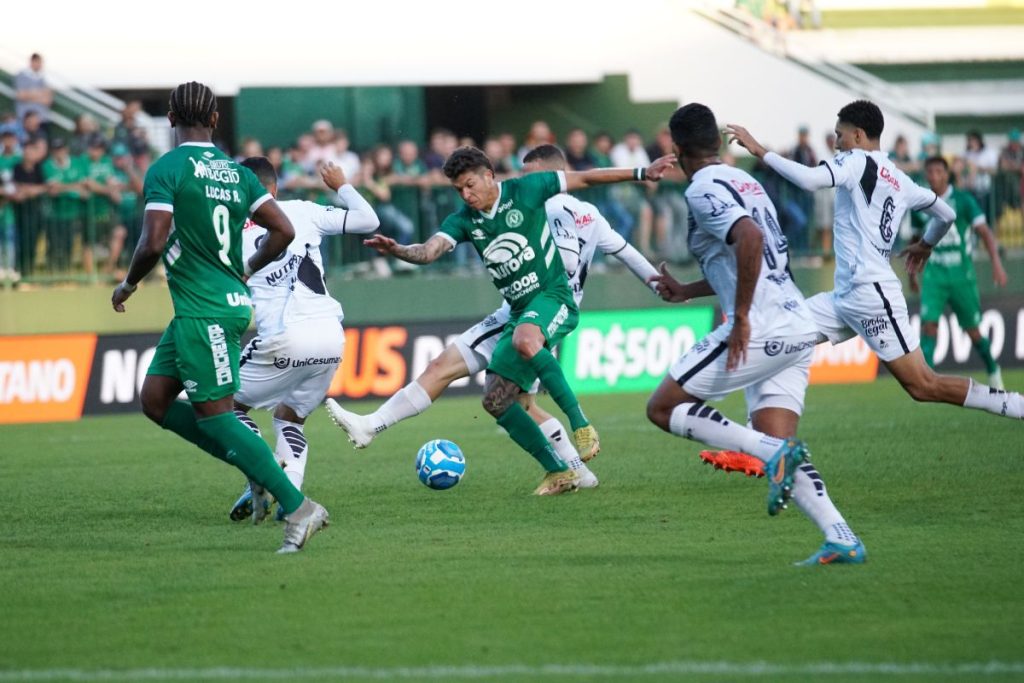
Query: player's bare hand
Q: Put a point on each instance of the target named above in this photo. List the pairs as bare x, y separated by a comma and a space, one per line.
667, 287
656, 171
332, 174
743, 138
916, 255
999, 275
383, 245
739, 339
120, 295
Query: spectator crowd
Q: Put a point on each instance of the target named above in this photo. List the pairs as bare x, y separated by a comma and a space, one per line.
71, 204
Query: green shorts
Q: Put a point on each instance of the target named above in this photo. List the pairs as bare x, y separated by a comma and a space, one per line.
203, 354
956, 286
556, 318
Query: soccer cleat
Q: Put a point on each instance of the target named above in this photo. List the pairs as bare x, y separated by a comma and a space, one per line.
837, 553
588, 444
558, 482
781, 470
354, 425
995, 380
261, 502
588, 480
243, 506
300, 526
734, 461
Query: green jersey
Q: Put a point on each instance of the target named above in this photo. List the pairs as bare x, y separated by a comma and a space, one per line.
7, 164
514, 239
956, 247
99, 171
68, 204
211, 197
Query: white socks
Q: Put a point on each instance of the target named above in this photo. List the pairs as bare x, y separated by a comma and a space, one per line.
292, 450
409, 401
701, 422
810, 496
1005, 403
559, 440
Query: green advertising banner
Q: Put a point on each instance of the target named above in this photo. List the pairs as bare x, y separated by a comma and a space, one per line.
613, 351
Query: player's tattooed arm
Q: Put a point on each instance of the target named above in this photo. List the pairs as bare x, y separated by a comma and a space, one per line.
499, 394
280, 233
156, 226
428, 252
674, 291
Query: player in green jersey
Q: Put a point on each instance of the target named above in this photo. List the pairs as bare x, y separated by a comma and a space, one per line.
507, 224
197, 202
949, 277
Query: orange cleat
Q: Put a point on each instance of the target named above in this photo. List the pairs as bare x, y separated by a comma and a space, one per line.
732, 461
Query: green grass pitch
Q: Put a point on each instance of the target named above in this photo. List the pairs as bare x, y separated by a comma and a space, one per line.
118, 561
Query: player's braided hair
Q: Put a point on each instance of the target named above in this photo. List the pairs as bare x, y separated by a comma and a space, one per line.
193, 104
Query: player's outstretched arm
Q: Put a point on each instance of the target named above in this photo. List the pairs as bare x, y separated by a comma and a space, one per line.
578, 180
638, 264
809, 178
989, 240
674, 291
280, 234
156, 226
358, 217
428, 252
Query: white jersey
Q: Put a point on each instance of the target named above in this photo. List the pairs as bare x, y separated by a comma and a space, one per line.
292, 288
718, 196
872, 196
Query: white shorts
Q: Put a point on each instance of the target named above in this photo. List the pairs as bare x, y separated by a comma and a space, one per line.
876, 311
294, 368
477, 344
774, 376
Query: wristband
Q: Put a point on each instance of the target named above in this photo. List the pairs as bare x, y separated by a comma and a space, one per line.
247, 269
128, 287
639, 173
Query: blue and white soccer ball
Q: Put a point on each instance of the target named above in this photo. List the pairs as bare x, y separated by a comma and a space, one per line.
440, 464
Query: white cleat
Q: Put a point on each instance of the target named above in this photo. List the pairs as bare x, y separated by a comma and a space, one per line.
300, 526
354, 425
588, 480
995, 380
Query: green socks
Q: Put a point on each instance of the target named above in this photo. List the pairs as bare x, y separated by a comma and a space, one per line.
551, 376
984, 349
525, 432
227, 439
253, 456
928, 349
181, 419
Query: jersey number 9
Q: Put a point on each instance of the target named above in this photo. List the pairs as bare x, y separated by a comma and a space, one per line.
222, 228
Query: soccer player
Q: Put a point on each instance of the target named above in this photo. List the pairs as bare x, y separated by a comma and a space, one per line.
507, 224
949, 274
871, 197
579, 230
197, 201
288, 366
765, 345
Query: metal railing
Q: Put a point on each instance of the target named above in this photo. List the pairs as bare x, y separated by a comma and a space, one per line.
68, 239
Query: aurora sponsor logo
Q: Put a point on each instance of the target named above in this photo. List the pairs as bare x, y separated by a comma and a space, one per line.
507, 254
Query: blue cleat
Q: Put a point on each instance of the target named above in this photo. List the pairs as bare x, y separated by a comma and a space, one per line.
242, 509
781, 470
837, 553
279, 515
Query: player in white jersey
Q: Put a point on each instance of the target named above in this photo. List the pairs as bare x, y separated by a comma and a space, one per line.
765, 345
872, 195
580, 231
288, 366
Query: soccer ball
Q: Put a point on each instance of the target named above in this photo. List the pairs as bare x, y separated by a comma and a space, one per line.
440, 464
